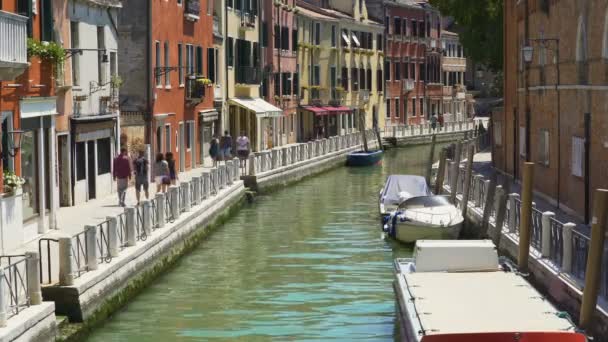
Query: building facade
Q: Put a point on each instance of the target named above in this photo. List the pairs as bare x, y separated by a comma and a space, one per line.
170, 58
279, 49
554, 104
454, 66
340, 60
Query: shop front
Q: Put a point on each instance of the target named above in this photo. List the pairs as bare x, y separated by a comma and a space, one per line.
208, 126
258, 119
319, 122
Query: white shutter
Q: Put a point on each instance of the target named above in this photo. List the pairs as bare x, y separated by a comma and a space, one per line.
578, 150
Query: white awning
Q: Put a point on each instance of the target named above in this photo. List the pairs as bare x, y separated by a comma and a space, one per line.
257, 105
356, 40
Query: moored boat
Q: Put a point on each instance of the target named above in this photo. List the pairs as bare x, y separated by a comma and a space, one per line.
456, 291
363, 158
411, 212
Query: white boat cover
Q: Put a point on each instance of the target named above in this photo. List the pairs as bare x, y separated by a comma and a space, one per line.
399, 188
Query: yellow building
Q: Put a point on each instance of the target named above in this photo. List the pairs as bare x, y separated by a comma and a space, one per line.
340, 63
247, 112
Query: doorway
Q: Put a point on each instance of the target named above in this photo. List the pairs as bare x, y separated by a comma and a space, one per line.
91, 174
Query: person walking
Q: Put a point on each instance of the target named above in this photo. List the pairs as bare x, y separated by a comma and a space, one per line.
440, 119
226, 146
122, 174
242, 149
141, 175
433, 122
214, 150
171, 163
161, 173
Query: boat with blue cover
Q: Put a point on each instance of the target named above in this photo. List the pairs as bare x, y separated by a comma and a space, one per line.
363, 158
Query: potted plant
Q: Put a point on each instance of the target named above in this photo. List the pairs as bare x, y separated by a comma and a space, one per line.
204, 81
12, 182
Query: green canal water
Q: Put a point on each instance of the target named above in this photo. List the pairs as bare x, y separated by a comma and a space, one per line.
305, 263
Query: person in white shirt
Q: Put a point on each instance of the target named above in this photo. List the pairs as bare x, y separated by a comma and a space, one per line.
242, 149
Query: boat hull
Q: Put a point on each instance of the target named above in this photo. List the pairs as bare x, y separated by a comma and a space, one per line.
362, 158
409, 232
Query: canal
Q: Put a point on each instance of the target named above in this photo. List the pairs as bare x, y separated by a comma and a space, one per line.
303, 263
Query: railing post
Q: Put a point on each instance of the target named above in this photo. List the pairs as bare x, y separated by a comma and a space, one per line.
229, 172
567, 246
4, 295
214, 181
33, 277
174, 193
196, 186
489, 200
147, 217
90, 237
546, 234
467, 181
512, 218
236, 165
66, 266
114, 244
160, 209
130, 222
501, 210
207, 182
185, 196
252, 164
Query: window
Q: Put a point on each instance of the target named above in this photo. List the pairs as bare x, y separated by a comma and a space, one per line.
158, 62
316, 75
422, 73
397, 108
413, 71
295, 82
74, 36
543, 147
405, 30
332, 80
317, 33
211, 64
104, 156
406, 71
387, 70
189, 59
285, 38
264, 86
522, 141
180, 63
414, 28
81, 159
379, 43
167, 65
188, 134
397, 71
578, 152
230, 52
379, 80
101, 66
333, 35
397, 25
388, 108
362, 83
264, 34
294, 40
368, 79
422, 107
356, 42
344, 79
277, 37
199, 60
354, 75
168, 138
414, 107
277, 84
285, 83
498, 133
387, 23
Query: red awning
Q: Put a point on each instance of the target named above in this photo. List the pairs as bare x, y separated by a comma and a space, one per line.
317, 110
339, 110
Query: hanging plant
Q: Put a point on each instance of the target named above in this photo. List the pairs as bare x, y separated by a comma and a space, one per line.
116, 81
204, 81
48, 51
12, 182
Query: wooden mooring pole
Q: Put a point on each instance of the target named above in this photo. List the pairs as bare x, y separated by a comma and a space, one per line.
443, 157
594, 258
429, 168
526, 217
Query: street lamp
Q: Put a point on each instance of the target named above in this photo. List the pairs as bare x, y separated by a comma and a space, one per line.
13, 142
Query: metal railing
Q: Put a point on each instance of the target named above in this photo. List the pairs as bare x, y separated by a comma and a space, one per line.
580, 247
537, 226
557, 241
140, 232
47, 248
154, 217
15, 281
168, 208
517, 213
122, 230
103, 241
80, 253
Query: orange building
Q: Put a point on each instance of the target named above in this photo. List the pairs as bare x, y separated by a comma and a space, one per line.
169, 67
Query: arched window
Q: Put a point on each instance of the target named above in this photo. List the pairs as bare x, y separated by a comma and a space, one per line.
581, 40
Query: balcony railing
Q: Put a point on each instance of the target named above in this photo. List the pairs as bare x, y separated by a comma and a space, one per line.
13, 45
195, 90
408, 85
193, 10
248, 75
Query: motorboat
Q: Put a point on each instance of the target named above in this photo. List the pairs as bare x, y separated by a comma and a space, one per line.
457, 291
411, 212
363, 158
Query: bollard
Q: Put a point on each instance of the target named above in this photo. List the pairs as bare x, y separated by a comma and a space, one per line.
302, 151
429, 167
66, 266
489, 200
252, 164
147, 217
512, 224
421, 129
174, 193
4, 295
467, 181
229, 169
221, 171
184, 188
160, 209
567, 246
207, 183
113, 241
196, 190
593, 271
130, 222
294, 154
33, 277
274, 158
525, 221
236, 173
545, 249
441, 171
90, 237
214, 183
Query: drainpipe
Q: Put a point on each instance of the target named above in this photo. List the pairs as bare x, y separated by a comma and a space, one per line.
148, 117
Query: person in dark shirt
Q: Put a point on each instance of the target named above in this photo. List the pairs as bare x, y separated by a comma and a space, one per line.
122, 174
141, 175
226, 146
172, 172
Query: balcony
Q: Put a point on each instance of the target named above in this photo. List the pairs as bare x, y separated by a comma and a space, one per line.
195, 90
193, 10
364, 95
247, 21
13, 45
247, 75
408, 85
